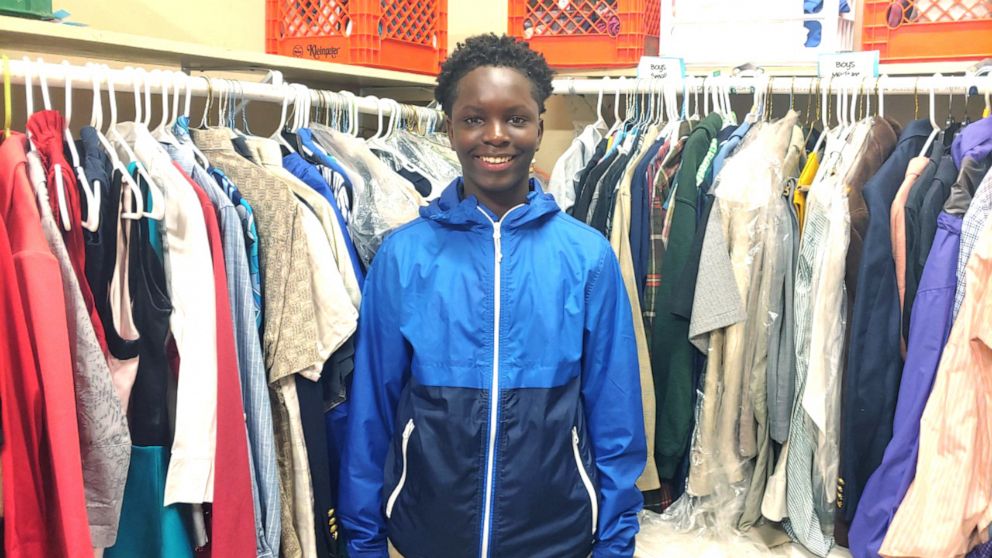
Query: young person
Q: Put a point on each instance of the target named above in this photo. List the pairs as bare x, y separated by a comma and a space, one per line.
496, 405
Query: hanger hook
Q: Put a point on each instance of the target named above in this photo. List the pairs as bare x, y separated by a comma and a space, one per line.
68, 92
7, 117
933, 106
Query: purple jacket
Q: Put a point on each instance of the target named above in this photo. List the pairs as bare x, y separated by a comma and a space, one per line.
929, 329
974, 140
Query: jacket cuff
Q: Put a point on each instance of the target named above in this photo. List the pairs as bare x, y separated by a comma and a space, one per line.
601, 550
374, 552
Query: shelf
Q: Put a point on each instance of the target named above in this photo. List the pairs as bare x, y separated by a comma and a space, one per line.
67, 41
917, 69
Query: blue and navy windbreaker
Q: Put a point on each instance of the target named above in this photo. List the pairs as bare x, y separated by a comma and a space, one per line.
496, 403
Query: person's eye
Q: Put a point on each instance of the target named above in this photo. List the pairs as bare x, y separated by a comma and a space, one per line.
473, 121
518, 120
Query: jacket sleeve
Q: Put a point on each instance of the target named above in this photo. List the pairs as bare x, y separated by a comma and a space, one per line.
611, 393
382, 361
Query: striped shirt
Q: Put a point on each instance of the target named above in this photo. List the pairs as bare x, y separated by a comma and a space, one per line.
971, 229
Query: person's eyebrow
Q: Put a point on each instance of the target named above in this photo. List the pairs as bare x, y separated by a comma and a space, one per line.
513, 108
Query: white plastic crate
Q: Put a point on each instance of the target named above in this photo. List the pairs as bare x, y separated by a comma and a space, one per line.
763, 32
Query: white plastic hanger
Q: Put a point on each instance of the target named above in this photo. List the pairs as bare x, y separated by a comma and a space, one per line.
616, 108
157, 211
933, 117
277, 135
28, 89
57, 168
146, 84
708, 91
206, 104
394, 109
92, 220
97, 75
868, 113
600, 122
28, 98
176, 79
351, 105
162, 132
187, 83
880, 86
378, 107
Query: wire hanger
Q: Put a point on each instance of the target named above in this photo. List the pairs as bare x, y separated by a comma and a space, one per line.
933, 117
880, 87
92, 220
823, 111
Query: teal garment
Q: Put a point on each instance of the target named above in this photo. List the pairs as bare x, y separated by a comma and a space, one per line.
148, 529
154, 236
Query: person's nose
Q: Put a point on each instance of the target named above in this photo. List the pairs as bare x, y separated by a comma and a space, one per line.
495, 133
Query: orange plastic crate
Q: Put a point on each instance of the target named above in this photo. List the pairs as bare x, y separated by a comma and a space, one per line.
406, 35
588, 33
927, 30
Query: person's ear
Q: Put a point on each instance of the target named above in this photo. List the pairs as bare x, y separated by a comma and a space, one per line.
450, 131
540, 133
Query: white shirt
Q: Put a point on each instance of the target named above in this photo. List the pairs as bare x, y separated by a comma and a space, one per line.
189, 270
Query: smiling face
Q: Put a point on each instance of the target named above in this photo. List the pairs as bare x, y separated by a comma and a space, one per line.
495, 128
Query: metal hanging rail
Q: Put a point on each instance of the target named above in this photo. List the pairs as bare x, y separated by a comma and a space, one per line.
901, 85
130, 78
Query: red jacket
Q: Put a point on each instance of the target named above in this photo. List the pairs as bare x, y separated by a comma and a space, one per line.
44, 503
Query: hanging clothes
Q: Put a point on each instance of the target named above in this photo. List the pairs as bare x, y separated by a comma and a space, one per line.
46, 133
235, 227
937, 517
289, 342
671, 364
886, 487
44, 503
105, 441
874, 360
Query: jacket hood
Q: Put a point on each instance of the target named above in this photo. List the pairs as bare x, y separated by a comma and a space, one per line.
450, 209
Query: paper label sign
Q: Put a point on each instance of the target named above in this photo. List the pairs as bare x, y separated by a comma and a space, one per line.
660, 67
848, 64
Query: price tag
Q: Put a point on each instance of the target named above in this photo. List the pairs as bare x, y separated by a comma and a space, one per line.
849, 64
660, 67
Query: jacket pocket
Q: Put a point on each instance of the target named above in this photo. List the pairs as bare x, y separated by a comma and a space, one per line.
407, 431
584, 475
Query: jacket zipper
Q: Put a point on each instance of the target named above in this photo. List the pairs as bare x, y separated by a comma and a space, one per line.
586, 481
399, 486
494, 388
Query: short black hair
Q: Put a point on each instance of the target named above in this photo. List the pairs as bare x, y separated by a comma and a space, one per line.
491, 50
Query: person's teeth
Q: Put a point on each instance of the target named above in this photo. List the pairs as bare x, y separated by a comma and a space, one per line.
495, 160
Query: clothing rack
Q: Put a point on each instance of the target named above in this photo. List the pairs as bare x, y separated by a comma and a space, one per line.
901, 85
153, 81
